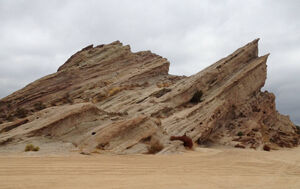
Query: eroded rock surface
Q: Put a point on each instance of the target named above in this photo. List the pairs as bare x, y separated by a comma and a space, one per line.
108, 99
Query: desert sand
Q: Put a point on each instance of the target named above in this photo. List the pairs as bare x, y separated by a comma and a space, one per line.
202, 168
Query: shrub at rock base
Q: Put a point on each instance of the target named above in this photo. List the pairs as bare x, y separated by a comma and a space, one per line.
31, 147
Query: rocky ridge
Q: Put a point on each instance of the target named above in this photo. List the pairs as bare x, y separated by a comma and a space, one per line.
107, 99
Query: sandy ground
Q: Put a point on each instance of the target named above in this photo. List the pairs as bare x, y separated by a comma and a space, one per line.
203, 168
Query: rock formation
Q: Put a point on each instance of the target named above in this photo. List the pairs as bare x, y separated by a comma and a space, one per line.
108, 99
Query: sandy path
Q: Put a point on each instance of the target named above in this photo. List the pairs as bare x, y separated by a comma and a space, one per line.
205, 168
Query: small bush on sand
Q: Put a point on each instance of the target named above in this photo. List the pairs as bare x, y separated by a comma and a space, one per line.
266, 148
31, 147
155, 147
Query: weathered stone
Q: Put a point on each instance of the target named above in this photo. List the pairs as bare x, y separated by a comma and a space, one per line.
108, 99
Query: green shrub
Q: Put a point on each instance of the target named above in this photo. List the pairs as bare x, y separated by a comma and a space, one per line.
36, 148
240, 133
31, 147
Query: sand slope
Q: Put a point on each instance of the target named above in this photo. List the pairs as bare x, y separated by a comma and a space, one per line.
204, 168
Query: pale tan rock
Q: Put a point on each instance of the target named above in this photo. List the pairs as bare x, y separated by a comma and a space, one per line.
106, 99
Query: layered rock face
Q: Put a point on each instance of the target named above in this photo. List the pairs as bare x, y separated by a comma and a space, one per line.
108, 99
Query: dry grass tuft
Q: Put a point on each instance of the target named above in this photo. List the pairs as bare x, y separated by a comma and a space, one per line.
31, 147
114, 91
155, 147
163, 85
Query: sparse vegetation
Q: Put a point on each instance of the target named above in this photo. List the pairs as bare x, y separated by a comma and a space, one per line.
163, 85
31, 147
240, 133
155, 147
39, 106
266, 148
114, 91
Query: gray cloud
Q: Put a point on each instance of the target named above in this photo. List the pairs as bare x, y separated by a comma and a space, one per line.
38, 36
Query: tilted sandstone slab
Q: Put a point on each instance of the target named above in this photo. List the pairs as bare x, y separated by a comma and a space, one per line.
108, 99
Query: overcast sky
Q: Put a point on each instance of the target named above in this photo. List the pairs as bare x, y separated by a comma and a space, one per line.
37, 36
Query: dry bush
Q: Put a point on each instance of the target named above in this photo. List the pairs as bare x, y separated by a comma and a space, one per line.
266, 148
31, 147
163, 85
155, 147
114, 91
240, 133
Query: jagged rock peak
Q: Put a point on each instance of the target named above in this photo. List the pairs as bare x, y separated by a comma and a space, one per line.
89, 52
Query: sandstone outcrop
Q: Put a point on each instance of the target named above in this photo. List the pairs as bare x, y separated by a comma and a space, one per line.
107, 99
